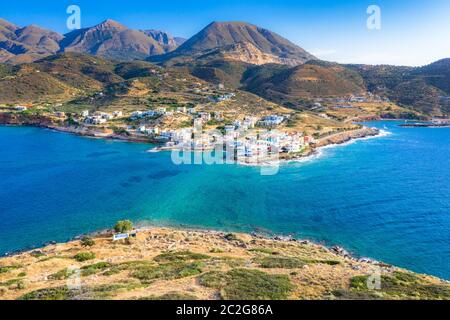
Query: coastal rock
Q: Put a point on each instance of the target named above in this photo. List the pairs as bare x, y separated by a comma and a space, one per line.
367, 260
340, 251
284, 238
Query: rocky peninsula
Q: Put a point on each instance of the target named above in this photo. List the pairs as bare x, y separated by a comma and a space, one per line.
186, 264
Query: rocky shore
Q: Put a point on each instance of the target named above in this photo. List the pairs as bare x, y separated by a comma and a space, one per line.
17, 119
185, 264
105, 133
344, 137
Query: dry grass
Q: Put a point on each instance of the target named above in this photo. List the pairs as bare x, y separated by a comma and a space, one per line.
164, 263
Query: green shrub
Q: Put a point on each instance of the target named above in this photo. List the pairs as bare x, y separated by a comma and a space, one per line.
280, 262
58, 293
5, 269
355, 295
84, 256
180, 256
399, 285
94, 268
87, 242
61, 274
329, 262
37, 254
359, 282
265, 250
167, 271
123, 226
231, 237
245, 284
10, 282
171, 296
64, 293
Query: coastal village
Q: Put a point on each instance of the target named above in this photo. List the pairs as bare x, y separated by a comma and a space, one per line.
248, 139
243, 137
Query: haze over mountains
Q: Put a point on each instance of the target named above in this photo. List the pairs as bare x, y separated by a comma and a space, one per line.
241, 56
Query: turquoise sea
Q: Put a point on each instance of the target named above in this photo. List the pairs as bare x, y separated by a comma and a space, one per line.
387, 198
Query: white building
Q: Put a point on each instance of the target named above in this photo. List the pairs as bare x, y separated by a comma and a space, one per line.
271, 121
95, 120
136, 115
218, 116
205, 116
106, 116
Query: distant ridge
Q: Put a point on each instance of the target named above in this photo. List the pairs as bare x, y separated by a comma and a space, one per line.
109, 39
238, 55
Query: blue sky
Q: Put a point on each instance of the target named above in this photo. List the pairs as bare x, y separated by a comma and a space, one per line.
414, 32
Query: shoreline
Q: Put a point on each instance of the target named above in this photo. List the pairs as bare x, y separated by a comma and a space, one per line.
139, 268
345, 138
337, 139
334, 140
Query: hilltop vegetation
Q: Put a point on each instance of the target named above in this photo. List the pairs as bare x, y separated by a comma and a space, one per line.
425, 89
184, 264
79, 81
311, 80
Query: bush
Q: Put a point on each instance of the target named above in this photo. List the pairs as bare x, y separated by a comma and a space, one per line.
264, 250
178, 296
94, 268
84, 256
281, 262
180, 256
231, 237
61, 274
123, 226
87, 242
58, 293
397, 285
244, 284
169, 271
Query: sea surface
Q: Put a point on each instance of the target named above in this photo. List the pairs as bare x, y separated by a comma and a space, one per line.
386, 198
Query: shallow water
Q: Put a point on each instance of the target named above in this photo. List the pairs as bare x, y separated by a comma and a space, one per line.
387, 198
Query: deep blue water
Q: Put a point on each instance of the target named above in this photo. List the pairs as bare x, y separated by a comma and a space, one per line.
387, 198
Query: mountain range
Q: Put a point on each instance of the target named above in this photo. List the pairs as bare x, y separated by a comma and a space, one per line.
108, 39
241, 56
